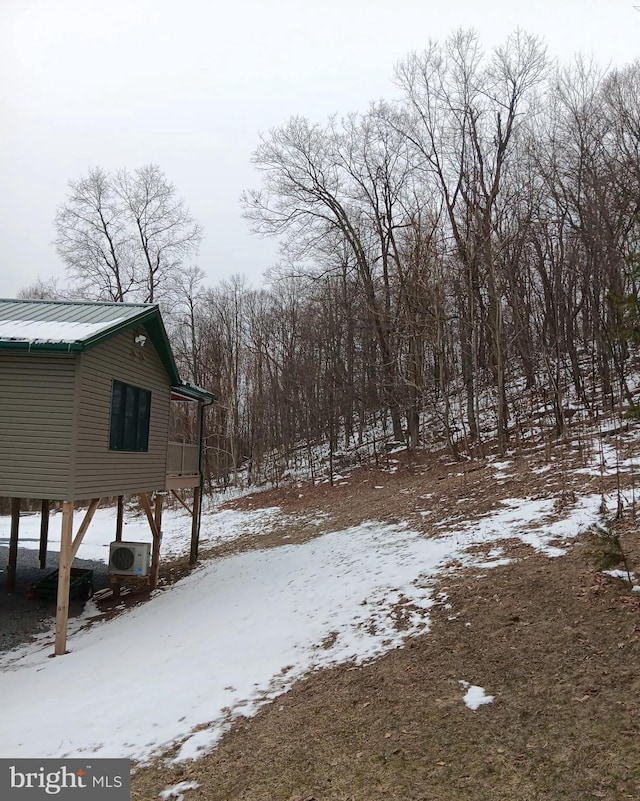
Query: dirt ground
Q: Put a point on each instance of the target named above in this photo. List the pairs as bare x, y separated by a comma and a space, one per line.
554, 640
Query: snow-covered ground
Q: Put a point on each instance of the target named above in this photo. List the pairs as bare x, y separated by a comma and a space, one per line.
475, 696
217, 527
240, 630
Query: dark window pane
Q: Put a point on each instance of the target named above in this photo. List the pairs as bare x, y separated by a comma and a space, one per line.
130, 418
130, 414
117, 419
144, 410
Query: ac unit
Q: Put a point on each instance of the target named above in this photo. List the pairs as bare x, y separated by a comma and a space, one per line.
129, 558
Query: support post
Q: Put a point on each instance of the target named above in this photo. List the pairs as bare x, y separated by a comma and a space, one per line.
157, 540
197, 492
44, 533
13, 545
180, 501
144, 500
84, 526
195, 526
64, 576
116, 581
155, 558
119, 518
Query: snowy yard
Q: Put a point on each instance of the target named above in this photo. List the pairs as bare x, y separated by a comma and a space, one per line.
241, 629
176, 530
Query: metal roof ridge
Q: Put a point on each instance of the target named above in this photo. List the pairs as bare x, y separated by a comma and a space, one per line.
44, 302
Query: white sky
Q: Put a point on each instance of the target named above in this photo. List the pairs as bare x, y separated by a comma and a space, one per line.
189, 84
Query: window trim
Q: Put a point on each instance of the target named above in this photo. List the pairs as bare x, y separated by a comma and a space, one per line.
129, 419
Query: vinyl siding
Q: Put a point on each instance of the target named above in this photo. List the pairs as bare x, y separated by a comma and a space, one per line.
97, 471
36, 423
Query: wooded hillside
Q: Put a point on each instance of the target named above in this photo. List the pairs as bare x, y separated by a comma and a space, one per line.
469, 248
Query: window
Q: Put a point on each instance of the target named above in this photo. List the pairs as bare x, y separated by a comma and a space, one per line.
130, 412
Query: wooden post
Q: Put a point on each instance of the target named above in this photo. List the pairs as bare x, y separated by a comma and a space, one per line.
157, 540
197, 492
155, 558
64, 576
44, 533
86, 522
180, 501
144, 500
119, 518
13, 545
116, 581
195, 526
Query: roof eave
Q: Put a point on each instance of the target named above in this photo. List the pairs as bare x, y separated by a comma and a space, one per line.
120, 327
57, 347
190, 392
152, 321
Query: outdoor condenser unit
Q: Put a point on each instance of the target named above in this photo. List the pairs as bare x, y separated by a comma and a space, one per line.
129, 558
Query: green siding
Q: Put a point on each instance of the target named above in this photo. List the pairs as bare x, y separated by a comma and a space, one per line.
97, 471
36, 424
55, 415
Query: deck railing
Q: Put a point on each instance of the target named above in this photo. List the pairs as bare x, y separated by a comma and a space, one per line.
182, 459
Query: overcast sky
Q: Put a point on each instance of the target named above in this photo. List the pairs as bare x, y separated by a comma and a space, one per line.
190, 84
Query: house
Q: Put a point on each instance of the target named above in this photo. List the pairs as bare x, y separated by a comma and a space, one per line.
85, 404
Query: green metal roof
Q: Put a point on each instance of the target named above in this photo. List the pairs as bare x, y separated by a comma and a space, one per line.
69, 311
72, 327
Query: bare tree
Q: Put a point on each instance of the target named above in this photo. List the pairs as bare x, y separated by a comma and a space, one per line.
161, 227
187, 295
94, 239
462, 116
123, 236
42, 289
310, 196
